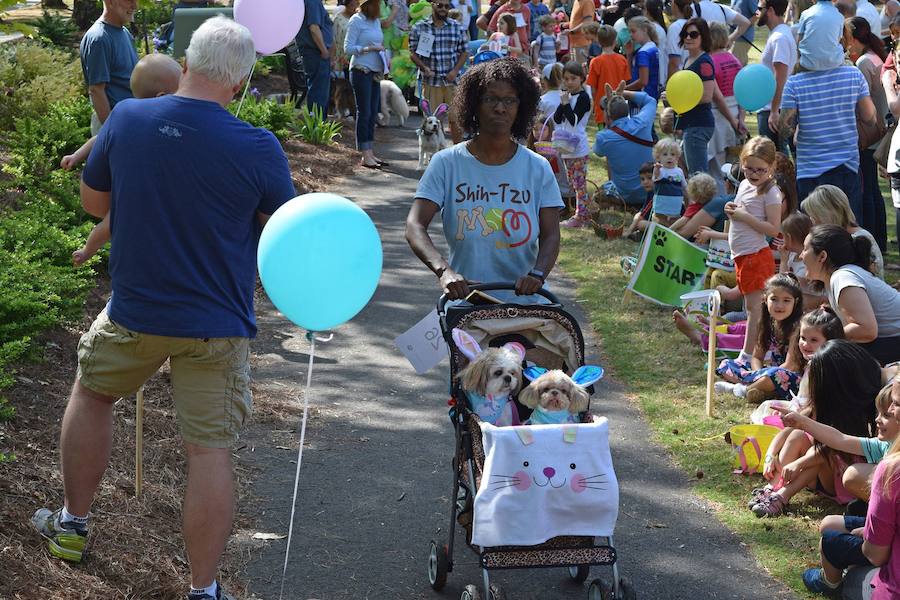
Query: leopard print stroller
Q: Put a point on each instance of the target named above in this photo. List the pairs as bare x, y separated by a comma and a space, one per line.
552, 339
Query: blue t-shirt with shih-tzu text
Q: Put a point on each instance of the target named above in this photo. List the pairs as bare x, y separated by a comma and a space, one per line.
490, 213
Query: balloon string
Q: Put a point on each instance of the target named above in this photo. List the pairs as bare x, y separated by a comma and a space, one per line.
287, 551
246, 87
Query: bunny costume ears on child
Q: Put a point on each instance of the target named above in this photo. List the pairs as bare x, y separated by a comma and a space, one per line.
583, 376
426, 109
470, 348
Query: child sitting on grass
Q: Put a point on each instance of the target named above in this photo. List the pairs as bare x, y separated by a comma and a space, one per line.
795, 227
641, 219
841, 546
774, 357
154, 75
700, 189
844, 380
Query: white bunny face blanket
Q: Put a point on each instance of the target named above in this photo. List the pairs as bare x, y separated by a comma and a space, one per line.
543, 481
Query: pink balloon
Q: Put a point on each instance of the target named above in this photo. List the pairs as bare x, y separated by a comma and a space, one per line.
273, 23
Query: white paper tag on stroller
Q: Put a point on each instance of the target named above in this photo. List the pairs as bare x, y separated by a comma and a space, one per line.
423, 345
543, 481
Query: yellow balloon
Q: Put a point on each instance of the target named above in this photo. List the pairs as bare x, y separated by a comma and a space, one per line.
684, 90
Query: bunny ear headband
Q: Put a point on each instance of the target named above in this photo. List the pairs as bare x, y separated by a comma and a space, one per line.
441, 110
470, 348
583, 376
426, 109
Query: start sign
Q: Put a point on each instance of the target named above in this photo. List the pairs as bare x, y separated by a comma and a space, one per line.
667, 267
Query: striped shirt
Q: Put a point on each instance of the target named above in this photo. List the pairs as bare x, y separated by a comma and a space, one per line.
826, 118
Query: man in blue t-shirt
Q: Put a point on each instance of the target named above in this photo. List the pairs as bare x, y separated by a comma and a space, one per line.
315, 41
188, 188
107, 59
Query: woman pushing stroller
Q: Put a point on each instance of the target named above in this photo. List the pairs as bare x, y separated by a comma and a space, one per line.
499, 201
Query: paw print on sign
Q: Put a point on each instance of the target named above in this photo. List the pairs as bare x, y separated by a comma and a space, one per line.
659, 237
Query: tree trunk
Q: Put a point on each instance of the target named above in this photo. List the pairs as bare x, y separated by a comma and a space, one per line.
86, 12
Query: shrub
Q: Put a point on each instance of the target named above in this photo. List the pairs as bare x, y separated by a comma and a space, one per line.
39, 288
33, 77
55, 29
312, 127
274, 116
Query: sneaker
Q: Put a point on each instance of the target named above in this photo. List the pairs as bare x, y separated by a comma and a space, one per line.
814, 580
65, 540
770, 506
220, 595
724, 387
757, 495
574, 223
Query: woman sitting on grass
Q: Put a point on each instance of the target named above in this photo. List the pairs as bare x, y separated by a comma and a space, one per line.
842, 541
843, 382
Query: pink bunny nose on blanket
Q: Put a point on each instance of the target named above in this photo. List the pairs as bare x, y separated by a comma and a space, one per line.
549, 472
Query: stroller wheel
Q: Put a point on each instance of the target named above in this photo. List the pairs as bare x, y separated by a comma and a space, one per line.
497, 593
600, 590
628, 591
438, 566
580, 573
470, 592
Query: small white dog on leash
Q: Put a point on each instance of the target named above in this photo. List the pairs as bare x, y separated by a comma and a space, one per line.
392, 101
431, 133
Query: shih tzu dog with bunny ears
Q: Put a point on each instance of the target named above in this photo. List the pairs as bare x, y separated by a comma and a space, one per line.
555, 397
491, 378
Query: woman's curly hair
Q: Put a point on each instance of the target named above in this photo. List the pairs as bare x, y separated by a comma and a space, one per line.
473, 84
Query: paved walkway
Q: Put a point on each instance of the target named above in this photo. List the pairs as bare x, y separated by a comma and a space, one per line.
376, 474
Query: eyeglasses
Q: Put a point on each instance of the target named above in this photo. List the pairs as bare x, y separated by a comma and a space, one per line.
436, 5
754, 171
692, 34
507, 102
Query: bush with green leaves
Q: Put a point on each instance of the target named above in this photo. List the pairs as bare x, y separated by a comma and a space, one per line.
55, 29
312, 127
39, 230
33, 77
275, 116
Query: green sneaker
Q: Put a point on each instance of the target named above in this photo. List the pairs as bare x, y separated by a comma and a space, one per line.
65, 540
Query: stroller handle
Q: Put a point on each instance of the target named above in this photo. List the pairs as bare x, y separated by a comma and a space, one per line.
497, 285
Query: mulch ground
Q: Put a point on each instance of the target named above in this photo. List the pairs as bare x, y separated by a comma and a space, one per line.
135, 548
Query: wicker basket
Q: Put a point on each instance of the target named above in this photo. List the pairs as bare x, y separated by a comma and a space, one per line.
608, 222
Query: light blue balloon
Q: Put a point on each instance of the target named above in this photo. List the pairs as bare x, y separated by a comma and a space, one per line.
754, 87
319, 260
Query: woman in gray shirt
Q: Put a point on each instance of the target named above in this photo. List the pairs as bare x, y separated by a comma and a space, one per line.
867, 306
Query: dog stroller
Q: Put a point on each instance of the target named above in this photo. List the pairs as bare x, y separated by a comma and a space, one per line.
553, 340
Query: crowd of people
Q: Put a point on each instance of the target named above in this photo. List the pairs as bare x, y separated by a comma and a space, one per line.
795, 213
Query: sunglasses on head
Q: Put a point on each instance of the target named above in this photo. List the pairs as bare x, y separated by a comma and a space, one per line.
693, 34
440, 5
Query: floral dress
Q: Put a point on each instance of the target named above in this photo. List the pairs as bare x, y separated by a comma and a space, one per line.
340, 61
786, 382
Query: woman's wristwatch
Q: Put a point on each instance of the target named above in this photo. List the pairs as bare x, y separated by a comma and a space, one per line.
537, 274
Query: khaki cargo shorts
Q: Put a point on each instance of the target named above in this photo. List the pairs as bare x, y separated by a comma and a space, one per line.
210, 377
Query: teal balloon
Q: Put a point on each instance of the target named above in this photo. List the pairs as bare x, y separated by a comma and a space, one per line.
754, 87
319, 260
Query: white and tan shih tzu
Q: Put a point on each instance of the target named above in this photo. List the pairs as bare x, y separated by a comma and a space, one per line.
491, 379
555, 397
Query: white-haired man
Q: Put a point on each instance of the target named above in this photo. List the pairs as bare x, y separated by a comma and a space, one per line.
190, 186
